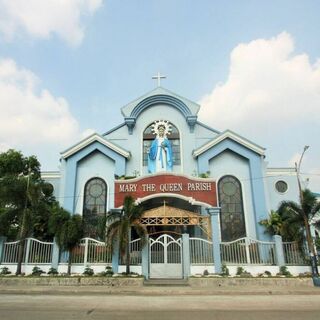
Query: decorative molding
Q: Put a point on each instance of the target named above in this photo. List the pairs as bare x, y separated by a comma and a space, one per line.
130, 122
281, 172
93, 138
229, 135
50, 175
160, 99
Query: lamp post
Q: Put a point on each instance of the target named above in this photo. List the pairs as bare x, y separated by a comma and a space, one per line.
311, 249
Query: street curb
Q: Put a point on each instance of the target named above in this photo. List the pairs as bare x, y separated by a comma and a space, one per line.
155, 291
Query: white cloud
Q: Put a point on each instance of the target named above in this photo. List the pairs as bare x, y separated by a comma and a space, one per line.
271, 96
41, 18
32, 118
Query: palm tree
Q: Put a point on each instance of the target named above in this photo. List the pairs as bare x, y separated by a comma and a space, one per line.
68, 231
302, 215
274, 224
119, 226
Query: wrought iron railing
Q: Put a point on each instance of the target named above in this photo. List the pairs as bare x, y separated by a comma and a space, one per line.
248, 251
293, 254
201, 252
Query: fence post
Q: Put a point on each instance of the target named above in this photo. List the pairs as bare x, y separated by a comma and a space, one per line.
26, 259
247, 244
2, 242
145, 259
55, 255
215, 227
85, 258
279, 250
186, 255
115, 257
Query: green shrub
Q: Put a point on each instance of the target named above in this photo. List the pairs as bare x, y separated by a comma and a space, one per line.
205, 272
109, 271
224, 270
284, 272
36, 271
4, 271
88, 271
53, 271
240, 271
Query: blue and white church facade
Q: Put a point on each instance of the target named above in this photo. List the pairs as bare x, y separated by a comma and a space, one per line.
177, 167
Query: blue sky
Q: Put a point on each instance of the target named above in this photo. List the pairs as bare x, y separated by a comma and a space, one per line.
67, 67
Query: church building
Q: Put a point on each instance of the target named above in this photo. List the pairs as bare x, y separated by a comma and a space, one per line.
190, 179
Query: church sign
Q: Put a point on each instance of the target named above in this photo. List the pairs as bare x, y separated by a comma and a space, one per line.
200, 190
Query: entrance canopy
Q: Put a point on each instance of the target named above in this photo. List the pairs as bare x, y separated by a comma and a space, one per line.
170, 216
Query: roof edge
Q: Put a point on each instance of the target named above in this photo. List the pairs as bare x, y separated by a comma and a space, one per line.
228, 134
90, 139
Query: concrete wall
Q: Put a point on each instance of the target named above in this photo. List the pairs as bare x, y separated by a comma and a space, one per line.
289, 176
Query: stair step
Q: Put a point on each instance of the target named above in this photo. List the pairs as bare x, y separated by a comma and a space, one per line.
166, 283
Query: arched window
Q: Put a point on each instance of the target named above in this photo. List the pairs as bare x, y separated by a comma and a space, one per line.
94, 205
232, 215
174, 138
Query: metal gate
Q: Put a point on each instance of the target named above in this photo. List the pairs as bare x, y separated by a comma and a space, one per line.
165, 257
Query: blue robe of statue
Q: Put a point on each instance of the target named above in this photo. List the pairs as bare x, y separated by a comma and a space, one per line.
160, 156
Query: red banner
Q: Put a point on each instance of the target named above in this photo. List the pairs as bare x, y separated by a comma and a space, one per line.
200, 190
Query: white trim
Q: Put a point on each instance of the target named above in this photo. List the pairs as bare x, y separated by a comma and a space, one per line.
231, 135
50, 175
94, 137
191, 200
281, 172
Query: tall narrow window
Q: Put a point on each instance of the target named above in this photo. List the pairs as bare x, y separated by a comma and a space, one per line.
94, 206
174, 138
232, 218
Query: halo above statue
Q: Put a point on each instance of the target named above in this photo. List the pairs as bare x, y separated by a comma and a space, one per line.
165, 124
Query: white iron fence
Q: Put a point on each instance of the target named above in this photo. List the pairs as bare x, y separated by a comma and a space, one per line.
90, 251
35, 251
293, 254
244, 251
201, 251
135, 253
39, 251
11, 252
248, 251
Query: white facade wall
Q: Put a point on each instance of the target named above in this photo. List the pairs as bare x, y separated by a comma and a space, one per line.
274, 196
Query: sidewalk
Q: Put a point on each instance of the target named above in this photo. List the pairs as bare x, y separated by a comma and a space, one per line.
155, 290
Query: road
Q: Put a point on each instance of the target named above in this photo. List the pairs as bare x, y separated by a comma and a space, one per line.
115, 307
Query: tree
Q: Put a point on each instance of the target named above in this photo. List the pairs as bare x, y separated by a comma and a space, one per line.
119, 226
67, 229
25, 199
273, 224
301, 215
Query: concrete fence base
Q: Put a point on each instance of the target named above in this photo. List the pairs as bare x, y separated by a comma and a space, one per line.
71, 281
215, 283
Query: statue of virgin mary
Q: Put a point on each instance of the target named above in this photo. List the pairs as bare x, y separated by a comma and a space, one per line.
160, 152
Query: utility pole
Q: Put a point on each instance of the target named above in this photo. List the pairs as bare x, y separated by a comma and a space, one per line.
22, 233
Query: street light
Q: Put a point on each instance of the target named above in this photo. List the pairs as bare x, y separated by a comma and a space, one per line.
311, 249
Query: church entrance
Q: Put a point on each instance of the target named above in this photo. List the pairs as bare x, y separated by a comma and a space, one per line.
165, 256
166, 219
